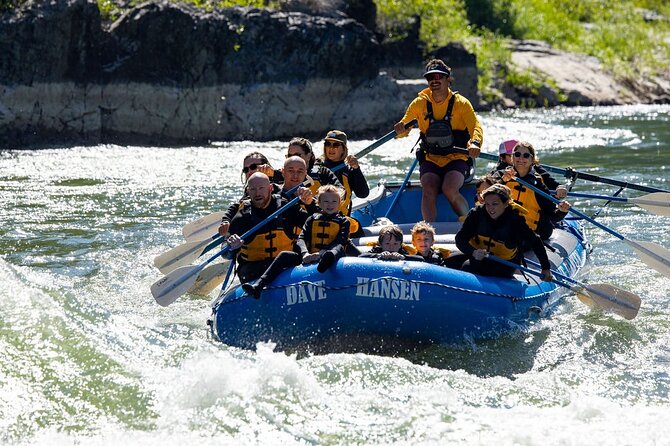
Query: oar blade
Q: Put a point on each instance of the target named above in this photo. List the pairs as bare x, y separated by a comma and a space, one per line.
202, 228
610, 299
654, 255
168, 288
657, 203
181, 255
209, 279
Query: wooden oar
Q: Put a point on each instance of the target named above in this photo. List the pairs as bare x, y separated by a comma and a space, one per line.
168, 288
587, 176
204, 227
657, 203
602, 296
655, 256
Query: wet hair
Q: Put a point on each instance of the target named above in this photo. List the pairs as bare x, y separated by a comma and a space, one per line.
500, 190
330, 189
423, 227
488, 179
306, 146
393, 230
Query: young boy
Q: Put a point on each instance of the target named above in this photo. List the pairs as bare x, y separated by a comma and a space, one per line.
423, 238
323, 239
389, 245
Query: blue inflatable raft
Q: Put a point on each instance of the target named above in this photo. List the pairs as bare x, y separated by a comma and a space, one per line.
369, 304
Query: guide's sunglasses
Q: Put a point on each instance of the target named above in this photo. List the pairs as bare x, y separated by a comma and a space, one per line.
434, 77
332, 144
252, 166
519, 155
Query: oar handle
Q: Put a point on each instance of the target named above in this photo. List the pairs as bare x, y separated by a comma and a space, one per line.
571, 210
556, 273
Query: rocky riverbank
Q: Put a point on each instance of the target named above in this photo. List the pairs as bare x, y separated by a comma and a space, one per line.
171, 74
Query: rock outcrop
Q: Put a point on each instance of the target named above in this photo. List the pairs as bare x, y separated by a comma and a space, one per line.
171, 74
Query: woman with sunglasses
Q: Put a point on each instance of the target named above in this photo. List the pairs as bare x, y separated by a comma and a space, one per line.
540, 213
253, 162
448, 124
319, 173
335, 153
506, 151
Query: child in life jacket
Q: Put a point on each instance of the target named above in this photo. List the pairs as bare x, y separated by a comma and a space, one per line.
423, 239
389, 246
322, 240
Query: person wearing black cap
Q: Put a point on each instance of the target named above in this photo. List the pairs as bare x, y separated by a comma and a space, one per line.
447, 122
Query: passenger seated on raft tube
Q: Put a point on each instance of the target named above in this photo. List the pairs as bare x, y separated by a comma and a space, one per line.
390, 247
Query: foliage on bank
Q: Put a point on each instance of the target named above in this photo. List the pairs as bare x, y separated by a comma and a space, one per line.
630, 37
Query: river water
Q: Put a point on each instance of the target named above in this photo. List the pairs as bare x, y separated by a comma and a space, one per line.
87, 357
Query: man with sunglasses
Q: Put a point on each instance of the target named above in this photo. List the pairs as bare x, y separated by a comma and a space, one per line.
447, 123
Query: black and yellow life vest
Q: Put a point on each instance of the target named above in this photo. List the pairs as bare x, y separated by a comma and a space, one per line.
526, 198
269, 240
322, 233
490, 235
440, 139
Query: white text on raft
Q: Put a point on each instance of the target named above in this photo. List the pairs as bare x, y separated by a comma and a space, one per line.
387, 288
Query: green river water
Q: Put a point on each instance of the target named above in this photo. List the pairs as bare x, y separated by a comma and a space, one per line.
87, 357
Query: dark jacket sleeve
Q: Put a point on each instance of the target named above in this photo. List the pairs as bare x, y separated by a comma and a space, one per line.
358, 183
467, 231
232, 210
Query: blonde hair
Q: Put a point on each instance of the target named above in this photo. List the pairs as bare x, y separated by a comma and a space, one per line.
330, 189
423, 227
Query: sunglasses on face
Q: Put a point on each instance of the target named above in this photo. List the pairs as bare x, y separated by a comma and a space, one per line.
519, 155
252, 166
332, 144
435, 77
295, 154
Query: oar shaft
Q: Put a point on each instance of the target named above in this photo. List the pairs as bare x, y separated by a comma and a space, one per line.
571, 210
587, 176
597, 197
599, 179
528, 270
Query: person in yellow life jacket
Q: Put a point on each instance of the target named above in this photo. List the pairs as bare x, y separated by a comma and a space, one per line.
336, 156
496, 227
447, 122
541, 213
253, 162
255, 253
506, 159
293, 174
319, 173
423, 239
322, 240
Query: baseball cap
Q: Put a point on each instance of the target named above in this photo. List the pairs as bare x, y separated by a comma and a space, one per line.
436, 68
337, 135
507, 147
